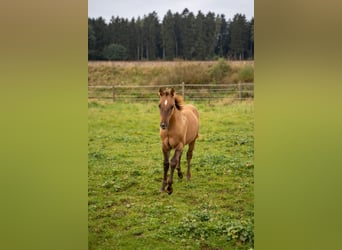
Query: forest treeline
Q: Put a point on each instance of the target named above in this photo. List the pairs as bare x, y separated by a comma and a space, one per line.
177, 36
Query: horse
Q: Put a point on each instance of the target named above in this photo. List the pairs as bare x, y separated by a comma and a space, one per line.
179, 126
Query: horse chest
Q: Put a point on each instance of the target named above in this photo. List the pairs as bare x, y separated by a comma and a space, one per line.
172, 142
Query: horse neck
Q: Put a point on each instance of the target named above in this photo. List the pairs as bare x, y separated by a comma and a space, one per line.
177, 115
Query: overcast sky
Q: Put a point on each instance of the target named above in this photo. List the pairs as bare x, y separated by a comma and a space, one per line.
135, 8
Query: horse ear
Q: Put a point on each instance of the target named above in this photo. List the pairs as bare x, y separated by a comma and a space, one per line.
172, 91
160, 92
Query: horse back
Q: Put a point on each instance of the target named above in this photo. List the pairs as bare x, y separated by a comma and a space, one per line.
191, 108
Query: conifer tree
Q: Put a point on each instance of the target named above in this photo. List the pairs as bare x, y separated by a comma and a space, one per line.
168, 36
239, 36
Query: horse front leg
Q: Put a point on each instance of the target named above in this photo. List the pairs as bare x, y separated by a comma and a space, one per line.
174, 162
166, 153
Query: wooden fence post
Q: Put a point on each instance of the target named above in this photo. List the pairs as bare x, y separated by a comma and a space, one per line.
113, 92
209, 95
240, 90
183, 90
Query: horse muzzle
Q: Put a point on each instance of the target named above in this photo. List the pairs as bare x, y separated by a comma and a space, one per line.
163, 125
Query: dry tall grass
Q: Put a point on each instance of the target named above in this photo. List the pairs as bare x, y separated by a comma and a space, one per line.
167, 72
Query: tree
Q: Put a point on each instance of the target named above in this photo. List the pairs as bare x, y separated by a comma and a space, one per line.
118, 31
151, 36
222, 42
139, 38
115, 52
132, 41
91, 42
168, 36
239, 36
210, 35
200, 43
251, 39
183, 35
101, 34
188, 34
178, 35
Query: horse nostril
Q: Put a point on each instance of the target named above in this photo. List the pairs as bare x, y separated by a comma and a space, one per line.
163, 125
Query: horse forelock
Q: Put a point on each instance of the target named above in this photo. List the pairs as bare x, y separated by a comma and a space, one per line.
167, 92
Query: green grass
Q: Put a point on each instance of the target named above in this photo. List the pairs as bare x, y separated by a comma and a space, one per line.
214, 210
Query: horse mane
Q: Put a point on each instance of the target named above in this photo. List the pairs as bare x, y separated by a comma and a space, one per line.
179, 102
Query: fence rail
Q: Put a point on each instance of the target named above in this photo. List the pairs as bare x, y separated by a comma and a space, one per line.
239, 91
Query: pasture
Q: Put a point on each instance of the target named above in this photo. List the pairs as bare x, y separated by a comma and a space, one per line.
126, 210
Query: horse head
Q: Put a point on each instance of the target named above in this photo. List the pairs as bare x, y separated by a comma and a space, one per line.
166, 106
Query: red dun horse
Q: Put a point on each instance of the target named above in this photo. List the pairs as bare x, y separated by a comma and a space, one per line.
179, 124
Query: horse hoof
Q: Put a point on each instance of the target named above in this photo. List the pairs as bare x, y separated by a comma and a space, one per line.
169, 190
180, 175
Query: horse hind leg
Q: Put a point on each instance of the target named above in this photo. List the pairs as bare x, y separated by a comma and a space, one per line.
188, 159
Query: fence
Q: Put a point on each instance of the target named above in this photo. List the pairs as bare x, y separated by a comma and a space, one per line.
239, 91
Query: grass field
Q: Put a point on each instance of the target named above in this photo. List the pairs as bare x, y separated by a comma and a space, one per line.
126, 209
